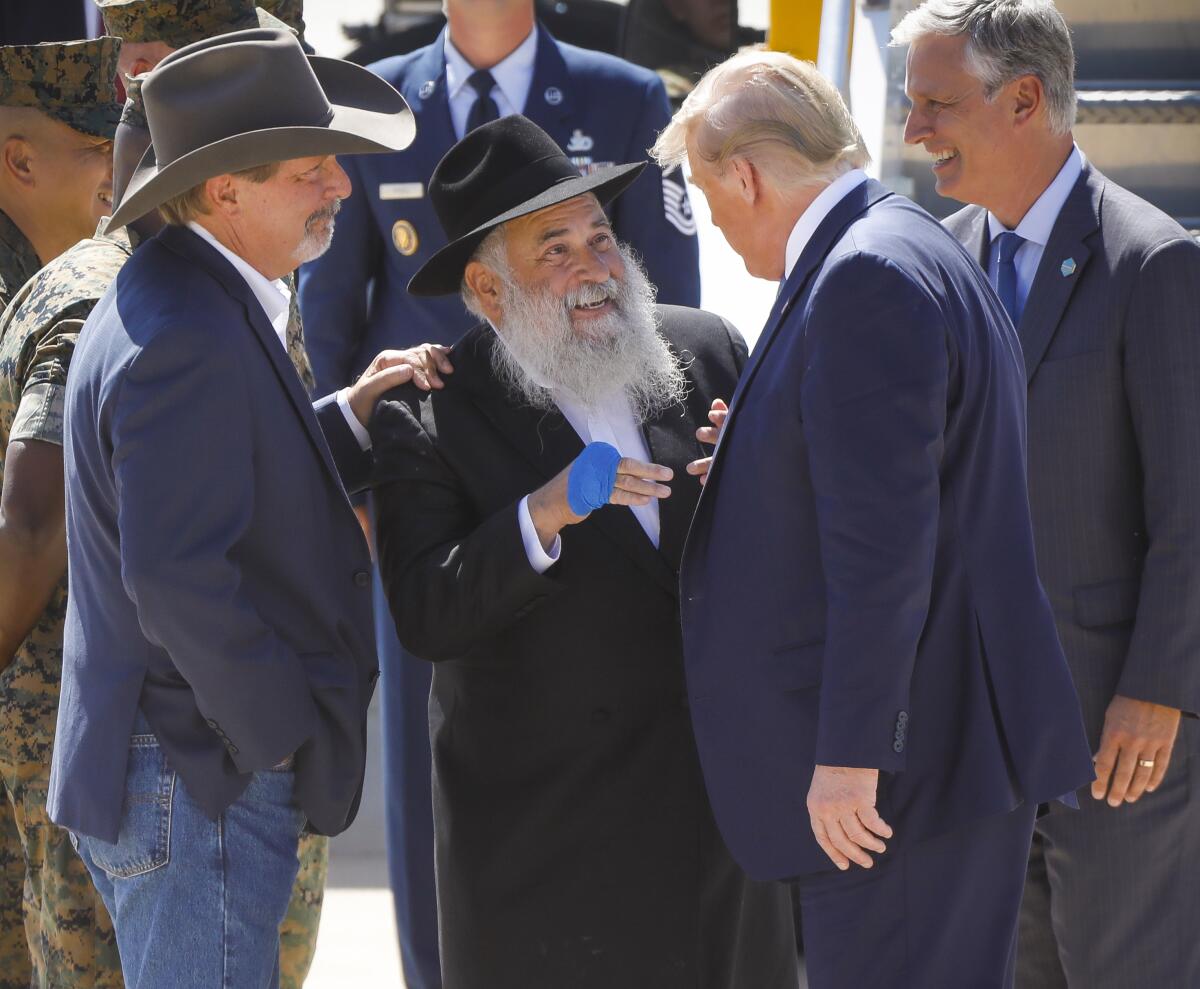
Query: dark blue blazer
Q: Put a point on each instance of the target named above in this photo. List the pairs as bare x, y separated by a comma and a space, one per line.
219, 579
599, 108
859, 586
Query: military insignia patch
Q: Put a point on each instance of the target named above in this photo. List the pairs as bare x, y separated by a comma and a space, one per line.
580, 143
404, 236
676, 206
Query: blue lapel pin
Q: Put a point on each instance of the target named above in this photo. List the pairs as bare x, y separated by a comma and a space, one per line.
1068, 268
427, 89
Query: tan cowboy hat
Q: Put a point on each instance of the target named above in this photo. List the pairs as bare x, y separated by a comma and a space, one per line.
250, 98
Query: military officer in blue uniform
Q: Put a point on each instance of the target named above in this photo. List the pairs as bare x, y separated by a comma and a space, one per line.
493, 59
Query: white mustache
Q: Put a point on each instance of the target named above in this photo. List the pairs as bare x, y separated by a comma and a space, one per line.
592, 293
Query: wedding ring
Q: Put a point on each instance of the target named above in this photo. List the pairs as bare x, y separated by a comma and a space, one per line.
1146, 763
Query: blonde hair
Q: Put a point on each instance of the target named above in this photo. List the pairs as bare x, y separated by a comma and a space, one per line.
180, 210
772, 110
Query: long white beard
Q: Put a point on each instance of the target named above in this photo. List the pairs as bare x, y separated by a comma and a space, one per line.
621, 353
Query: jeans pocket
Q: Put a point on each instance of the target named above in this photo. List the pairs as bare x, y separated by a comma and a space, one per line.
144, 841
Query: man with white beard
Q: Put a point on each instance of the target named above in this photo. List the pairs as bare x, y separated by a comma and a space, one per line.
532, 517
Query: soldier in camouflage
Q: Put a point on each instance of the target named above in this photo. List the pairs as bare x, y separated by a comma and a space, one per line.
58, 111
75, 945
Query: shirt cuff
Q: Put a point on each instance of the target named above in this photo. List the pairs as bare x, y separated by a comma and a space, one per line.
539, 559
356, 427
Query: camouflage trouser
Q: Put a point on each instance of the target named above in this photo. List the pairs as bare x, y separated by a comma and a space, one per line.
54, 930
298, 932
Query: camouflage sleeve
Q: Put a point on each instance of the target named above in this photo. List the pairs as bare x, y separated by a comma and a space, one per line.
43, 392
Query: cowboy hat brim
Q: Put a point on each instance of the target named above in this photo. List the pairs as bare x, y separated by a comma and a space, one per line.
442, 273
368, 116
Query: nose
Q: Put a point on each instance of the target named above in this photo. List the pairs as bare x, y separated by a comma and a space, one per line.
339, 182
595, 266
916, 127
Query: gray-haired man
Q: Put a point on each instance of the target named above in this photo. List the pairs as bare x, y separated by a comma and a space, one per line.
1105, 293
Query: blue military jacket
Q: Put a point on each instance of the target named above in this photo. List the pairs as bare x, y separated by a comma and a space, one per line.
600, 109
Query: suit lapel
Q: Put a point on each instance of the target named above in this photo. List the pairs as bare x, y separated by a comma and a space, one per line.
551, 82
671, 438
425, 91
830, 230
1052, 289
549, 443
193, 248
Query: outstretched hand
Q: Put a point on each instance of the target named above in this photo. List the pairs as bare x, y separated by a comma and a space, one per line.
637, 483
422, 365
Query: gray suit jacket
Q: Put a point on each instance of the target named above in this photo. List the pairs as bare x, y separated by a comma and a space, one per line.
1112, 358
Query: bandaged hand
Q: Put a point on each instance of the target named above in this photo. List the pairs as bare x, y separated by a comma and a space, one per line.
599, 476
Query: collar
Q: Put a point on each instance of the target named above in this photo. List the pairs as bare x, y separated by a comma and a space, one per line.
513, 74
1037, 224
817, 210
273, 296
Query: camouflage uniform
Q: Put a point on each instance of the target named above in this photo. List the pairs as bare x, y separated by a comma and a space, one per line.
74, 83
180, 22
18, 261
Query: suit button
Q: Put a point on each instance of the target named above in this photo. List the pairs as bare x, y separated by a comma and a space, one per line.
897, 746
233, 749
362, 578
601, 716
902, 718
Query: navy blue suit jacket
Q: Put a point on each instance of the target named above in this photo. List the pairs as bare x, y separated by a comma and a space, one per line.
599, 108
859, 586
219, 579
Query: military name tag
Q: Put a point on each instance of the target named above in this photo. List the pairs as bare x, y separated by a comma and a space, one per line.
401, 190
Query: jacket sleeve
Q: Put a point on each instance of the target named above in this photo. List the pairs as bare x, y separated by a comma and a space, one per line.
454, 578
1162, 368
334, 289
183, 466
873, 404
354, 464
654, 216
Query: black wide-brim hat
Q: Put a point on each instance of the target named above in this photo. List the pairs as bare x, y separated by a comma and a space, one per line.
250, 98
498, 172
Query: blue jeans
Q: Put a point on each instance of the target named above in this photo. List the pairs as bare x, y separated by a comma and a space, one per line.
196, 902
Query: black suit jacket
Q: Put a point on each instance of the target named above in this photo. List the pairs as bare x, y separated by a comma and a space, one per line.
1112, 359
575, 845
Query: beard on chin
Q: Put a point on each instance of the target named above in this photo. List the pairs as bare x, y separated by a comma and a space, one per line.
317, 237
621, 352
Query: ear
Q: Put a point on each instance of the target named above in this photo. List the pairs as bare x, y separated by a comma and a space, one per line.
16, 158
746, 179
222, 192
1026, 98
486, 286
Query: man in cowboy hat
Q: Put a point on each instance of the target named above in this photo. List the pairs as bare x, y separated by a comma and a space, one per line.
218, 659
150, 30
58, 109
575, 846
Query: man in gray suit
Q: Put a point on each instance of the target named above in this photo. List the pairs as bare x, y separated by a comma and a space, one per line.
1105, 293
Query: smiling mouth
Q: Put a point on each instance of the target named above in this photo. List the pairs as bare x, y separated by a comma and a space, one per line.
591, 306
943, 157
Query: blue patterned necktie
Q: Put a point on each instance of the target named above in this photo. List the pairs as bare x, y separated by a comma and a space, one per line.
1006, 274
484, 109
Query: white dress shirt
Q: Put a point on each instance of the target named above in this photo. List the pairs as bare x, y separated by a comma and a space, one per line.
818, 209
1035, 227
514, 76
276, 301
612, 423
